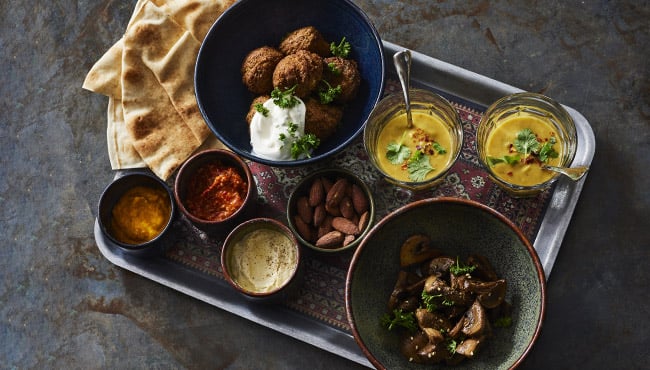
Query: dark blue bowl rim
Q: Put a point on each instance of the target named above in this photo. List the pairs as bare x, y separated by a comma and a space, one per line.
320, 156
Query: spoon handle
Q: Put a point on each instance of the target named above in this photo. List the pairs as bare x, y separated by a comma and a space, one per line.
402, 60
574, 173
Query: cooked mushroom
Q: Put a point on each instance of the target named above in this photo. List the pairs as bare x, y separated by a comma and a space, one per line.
433, 353
469, 346
476, 322
484, 269
439, 266
412, 344
435, 320
492, 293
417, 249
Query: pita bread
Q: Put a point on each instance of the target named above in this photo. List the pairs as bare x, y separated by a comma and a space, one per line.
150, 72
121, 152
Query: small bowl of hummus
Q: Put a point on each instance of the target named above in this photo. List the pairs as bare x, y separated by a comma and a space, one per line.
418, 156
261, 260
135, 211
518, 135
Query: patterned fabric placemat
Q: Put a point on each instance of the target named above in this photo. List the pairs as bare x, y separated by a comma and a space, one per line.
322, 295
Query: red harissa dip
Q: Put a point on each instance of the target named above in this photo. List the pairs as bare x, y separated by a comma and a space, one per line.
215, 192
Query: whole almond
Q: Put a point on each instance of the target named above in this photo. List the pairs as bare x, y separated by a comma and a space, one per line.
348, 239
364, 219
345, 226
332, 210
330, 240
327, 184
316, 193
346, 207
325, 226
303, 229
304, 209
359, 199
336, 193
319, 214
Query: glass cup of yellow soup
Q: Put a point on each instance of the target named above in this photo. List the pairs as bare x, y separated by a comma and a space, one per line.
518, 134
416, 157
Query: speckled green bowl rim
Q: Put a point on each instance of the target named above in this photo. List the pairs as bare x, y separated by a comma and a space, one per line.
406, 208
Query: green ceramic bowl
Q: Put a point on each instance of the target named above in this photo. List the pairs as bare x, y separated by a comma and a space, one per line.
458, 227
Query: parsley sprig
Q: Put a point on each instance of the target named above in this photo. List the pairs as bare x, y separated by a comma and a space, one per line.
286, 98
342, 49
300, 145
460, 269
329, 94
399, 318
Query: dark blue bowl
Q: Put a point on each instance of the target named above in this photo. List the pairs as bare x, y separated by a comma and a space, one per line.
224, 100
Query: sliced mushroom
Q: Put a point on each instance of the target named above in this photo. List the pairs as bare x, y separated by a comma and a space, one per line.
401, 289
417, 249
412, 344
435, 336
439, 266
476, 322
435, 320
484, 269
433, 353
469, 347
493, 294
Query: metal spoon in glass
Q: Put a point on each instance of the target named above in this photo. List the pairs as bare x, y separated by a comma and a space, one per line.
402, 61
574, 173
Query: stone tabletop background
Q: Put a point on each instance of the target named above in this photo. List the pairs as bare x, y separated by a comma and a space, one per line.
63, 305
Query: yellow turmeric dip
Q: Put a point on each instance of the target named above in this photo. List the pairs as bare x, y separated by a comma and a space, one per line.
417, 153
140, 215
517, 147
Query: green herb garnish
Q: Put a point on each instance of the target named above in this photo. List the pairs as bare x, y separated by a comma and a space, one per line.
304, 145
300, 144
418, 166
399, 318
439, 148
329, 94
509, 159
451, 345
526, 142
284, 99
547, 150
333, 68
503, 322
341, 49
428, 300
397, 153
262, 109
459, 269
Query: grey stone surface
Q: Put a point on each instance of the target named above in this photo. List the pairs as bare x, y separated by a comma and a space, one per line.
62, 305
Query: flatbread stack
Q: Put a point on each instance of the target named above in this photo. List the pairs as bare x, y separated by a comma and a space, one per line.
153, 117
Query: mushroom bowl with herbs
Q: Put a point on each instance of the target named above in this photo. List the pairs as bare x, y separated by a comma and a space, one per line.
445, 282
288, 82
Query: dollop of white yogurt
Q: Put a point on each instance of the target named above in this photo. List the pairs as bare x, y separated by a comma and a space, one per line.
267, 130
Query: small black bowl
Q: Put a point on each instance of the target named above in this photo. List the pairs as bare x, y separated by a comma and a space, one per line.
112, 194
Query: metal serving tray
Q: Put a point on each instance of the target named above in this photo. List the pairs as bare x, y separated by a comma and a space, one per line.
450, 80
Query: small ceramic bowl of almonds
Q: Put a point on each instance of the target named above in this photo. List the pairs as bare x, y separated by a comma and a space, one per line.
331, 210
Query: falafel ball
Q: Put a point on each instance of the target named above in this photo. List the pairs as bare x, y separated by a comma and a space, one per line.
306, 38
251, 112
345, 73
321, 120
257, 69
302, 69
